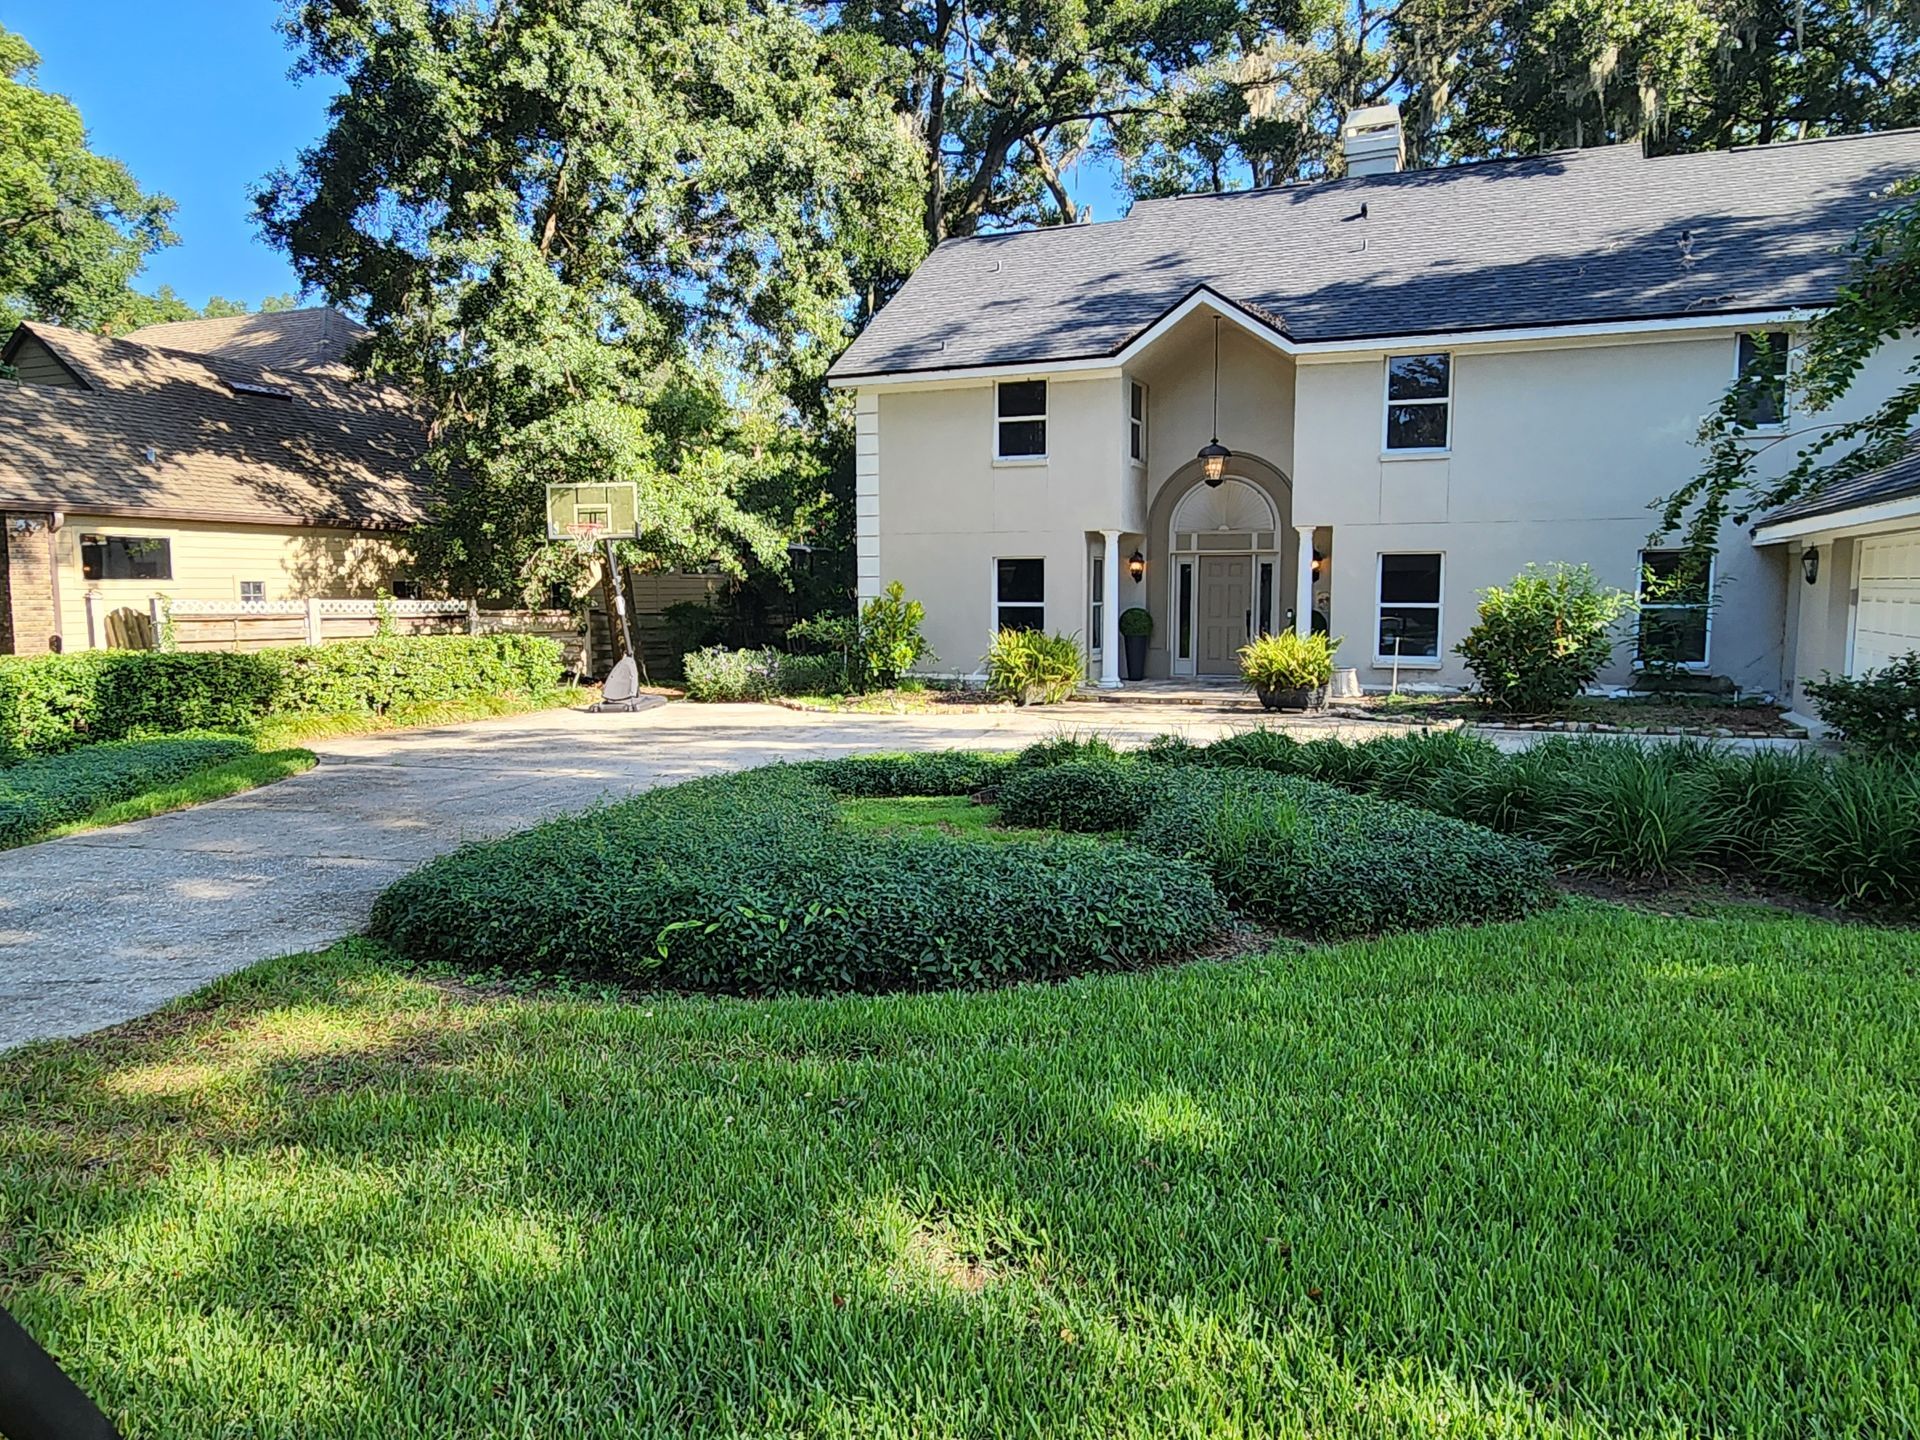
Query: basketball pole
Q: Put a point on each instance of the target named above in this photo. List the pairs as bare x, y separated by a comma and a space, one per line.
620, 600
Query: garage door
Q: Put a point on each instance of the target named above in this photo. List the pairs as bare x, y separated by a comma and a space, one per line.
1886, 619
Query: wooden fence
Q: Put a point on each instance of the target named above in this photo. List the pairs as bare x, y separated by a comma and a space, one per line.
263, 624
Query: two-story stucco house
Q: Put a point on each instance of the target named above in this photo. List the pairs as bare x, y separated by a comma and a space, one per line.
1420, 380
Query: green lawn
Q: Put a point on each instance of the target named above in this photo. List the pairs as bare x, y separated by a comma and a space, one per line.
950, 814
1600, 1173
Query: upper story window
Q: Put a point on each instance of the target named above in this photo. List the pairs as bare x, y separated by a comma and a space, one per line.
1137, 423
1020, 420
125, 557
1760, 367
1419, 395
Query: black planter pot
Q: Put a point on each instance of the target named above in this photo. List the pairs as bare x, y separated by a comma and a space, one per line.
1133, 648
1310, 698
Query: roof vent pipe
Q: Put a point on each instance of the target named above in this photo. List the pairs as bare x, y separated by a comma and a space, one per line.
1372, 141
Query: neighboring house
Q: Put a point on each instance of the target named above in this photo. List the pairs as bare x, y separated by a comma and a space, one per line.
234, 459
1425, 380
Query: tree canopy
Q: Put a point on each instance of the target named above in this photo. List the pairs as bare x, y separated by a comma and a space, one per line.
601, 242
75, 227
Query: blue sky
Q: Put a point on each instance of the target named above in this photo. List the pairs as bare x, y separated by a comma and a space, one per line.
193, 95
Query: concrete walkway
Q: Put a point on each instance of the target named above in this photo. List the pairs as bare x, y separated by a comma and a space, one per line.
102, 927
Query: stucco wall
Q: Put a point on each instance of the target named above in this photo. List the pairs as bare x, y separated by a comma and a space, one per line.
948, 510
1556, 454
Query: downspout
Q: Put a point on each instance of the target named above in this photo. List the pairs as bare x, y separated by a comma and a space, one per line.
55, 520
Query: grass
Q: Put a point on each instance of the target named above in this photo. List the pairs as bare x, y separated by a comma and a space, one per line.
1598, 1173
215, 783
286, 730
950, 814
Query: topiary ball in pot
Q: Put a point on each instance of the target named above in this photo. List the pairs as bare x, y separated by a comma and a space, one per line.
1136, 628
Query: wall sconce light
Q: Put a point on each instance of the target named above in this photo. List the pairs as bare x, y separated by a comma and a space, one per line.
1319, 563
1137, 566
1213, 455
1810, 566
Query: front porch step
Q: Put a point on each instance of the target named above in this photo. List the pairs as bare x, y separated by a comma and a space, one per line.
1161, 692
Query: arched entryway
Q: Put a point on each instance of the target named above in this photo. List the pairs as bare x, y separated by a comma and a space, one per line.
1228, 564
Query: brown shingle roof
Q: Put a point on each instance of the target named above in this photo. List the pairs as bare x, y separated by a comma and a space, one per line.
315, 339
327, 451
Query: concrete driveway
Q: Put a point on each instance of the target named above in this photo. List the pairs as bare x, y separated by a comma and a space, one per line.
106, 926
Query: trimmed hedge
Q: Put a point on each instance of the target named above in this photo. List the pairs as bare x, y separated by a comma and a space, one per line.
1084, 796
52, 703
39, 794
929, 772
750, 883
1316, 861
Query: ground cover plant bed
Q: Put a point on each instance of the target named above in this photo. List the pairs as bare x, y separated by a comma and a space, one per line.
130, 779
1836, 831
821, 876
1598, 1173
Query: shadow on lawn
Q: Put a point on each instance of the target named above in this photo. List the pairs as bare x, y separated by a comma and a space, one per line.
1594, 1170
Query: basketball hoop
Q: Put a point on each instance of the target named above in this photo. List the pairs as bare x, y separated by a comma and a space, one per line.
586, 531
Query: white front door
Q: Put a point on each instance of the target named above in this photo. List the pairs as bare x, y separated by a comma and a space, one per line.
1886, 611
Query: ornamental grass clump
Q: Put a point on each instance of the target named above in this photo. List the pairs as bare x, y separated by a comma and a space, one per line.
1030, 667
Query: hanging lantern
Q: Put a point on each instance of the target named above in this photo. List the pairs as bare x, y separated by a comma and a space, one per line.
1213, 455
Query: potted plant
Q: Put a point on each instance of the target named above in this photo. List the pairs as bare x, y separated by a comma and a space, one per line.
1136, 626
1290, 671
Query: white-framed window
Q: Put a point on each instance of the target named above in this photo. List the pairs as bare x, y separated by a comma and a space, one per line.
126, 557
1020, 593
1760, 359
1137, 422
1676, 610
1419, 402
1096, 602
252, 592
1407, 608
1020, 420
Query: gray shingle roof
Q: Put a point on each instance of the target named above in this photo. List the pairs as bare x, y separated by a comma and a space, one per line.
1575, 236
165, 432
317, 338
1890, 482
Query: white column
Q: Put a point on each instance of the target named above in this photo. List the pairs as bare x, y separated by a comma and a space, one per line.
1110, 613
1303, 600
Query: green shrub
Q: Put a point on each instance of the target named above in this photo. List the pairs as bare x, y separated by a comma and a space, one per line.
46, 791
371, 677
1877, 713
1288, 660
1542, 639
51, 703
1090, 796
719, 675
750, 883
930, 772
1136, 622
1030, 667
1315, 861
1058, 749
890, 640
1256, 749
